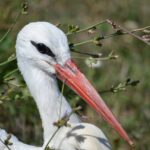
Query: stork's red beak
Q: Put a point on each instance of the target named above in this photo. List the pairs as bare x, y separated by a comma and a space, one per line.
71, 75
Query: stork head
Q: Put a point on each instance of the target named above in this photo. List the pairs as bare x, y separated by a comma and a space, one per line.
42, 44
45, 46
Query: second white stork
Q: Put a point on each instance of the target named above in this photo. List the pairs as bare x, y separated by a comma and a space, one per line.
43, 54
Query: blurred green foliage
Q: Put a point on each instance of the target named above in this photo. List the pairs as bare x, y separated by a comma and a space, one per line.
18, 112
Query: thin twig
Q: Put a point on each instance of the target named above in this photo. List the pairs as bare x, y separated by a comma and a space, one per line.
7, 61
87, 28
139, 29
134, 35
91, 40
51, 138
11, 27
13, 84
120, 28
62, 122
115, 34
82, 43
101, 38
123, 32
121, 86
62, 91
24, 7
86, 53
97, 57
5, 144
10, 73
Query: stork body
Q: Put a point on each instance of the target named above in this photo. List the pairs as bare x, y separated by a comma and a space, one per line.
44, 89
42, 52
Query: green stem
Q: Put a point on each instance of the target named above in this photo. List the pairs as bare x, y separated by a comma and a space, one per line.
64, 123
140, 29
11, 27
62, 91
8, 61
51, 138
10, 73
15, 21
91, 40
84, 42
134, 35
87, 28
114, 34
118, 27
97, 59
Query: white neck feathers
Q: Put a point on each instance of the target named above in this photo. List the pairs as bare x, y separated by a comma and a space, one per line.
47, 96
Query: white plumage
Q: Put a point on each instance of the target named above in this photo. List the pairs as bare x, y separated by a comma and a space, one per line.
39, 72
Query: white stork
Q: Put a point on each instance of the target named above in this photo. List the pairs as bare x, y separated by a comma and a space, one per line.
42, 55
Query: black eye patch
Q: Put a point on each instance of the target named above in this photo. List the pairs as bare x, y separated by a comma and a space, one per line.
43, 49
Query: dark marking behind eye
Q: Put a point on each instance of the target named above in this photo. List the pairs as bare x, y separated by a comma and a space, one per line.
43, 49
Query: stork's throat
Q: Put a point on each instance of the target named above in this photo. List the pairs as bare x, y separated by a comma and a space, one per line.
47, 96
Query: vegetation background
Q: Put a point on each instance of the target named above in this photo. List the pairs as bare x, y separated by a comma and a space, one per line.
18, 112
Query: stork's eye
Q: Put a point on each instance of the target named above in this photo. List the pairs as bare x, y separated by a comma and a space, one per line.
43, 49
